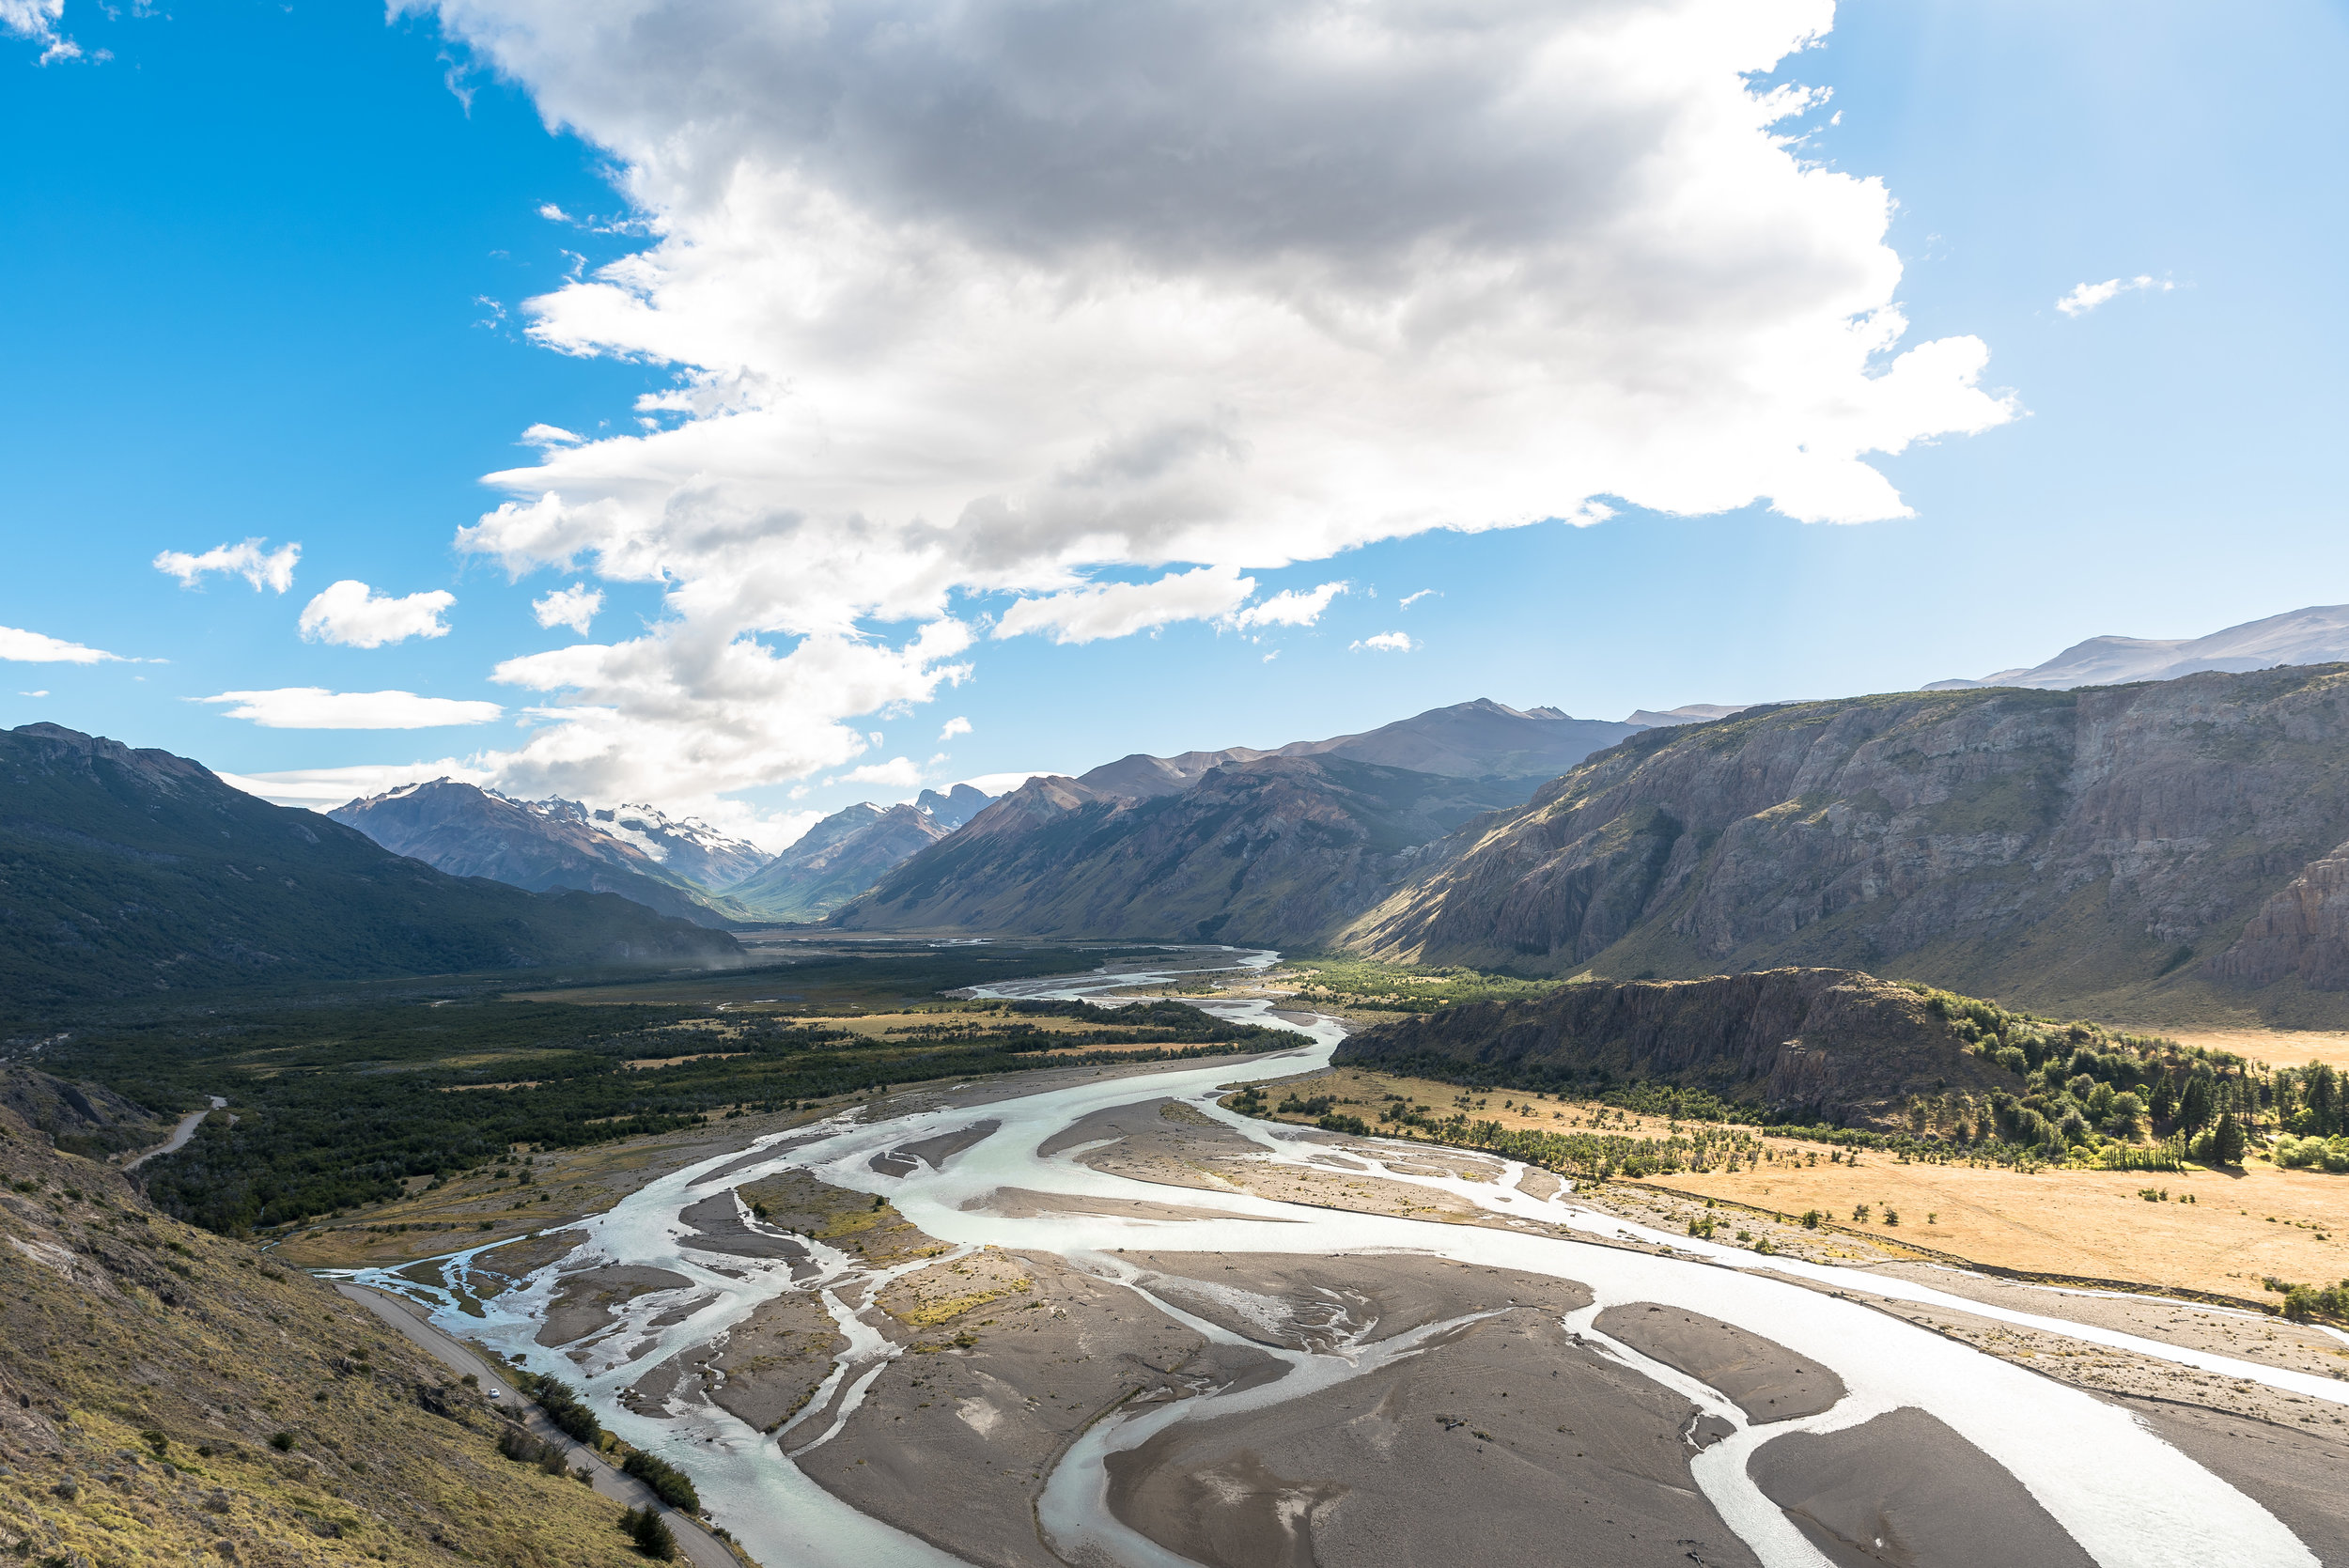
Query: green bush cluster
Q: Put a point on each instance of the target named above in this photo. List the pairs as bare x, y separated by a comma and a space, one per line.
2313, 1152
669, 1483
651, 1534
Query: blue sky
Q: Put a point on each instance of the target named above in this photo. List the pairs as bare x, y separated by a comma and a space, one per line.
266, 268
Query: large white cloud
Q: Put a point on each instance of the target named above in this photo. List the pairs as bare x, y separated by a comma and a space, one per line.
315, 707
356, 616
34, 647
993, 297
37, 19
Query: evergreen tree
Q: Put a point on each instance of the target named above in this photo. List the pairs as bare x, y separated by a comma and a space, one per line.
2226, 1140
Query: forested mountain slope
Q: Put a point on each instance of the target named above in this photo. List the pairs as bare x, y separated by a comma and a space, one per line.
130, 872
2163, 850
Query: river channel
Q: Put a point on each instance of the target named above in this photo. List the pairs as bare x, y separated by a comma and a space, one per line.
2120, 1491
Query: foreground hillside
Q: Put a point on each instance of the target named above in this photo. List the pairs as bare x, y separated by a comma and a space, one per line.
2158, 852
168, 1396
126, 872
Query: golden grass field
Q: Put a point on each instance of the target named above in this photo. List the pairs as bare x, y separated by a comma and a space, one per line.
2293, 1225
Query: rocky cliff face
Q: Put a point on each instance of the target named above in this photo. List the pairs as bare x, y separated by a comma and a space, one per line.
2142, 851
1273, 849
1824, 1045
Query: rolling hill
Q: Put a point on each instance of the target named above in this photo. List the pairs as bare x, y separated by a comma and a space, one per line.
127, 873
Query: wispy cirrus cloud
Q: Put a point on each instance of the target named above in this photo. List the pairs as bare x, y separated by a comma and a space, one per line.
2088, 296
252, 560
354, 615
315, 707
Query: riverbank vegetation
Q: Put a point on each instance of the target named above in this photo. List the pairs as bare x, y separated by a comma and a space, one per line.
333, 1107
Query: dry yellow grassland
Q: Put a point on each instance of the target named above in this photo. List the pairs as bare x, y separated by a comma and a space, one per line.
2240, 1229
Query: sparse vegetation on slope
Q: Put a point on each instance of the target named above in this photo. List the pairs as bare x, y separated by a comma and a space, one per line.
169, 1396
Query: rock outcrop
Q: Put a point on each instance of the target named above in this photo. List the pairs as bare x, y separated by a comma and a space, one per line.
1818, 1045
2144, 851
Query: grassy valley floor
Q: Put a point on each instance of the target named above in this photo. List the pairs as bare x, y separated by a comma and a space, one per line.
2219, 1233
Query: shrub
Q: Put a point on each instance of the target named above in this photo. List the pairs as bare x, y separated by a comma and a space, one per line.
671, 1484
282, 1441
561, 1404
651, 1534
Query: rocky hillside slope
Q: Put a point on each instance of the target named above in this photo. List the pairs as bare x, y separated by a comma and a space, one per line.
540, 845
837, 859
2154, 853
167, 1395
1811, 1044
126, 872
1276, 850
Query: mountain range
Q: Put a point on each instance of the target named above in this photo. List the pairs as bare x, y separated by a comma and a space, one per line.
130, 873
1240, 843
836, 860
2316, 635
546, 844
2145, 852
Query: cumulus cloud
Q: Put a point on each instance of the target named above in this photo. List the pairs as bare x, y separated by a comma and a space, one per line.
37, 20
954, 728
315, 707
1385, 641
574, 607
252, 560
32, 647
896, 773
356, 616
40, 693
1099, 310
2088, 296
1290, 608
